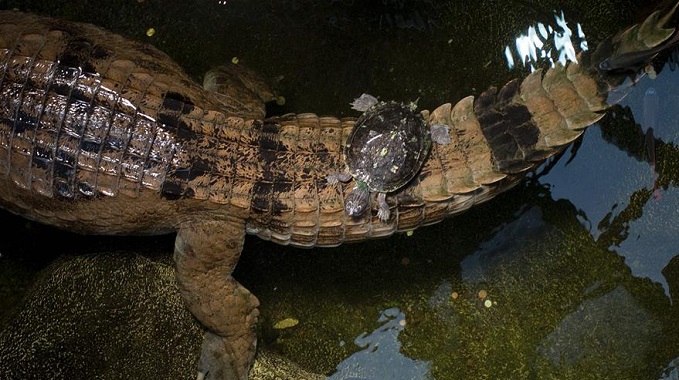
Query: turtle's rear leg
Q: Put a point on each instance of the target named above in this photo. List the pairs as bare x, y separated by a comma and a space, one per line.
206, 252
440, 134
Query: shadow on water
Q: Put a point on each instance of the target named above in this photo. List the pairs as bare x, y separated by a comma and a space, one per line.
573, 274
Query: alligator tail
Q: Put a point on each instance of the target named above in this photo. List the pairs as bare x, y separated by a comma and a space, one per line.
527, 121
629, 51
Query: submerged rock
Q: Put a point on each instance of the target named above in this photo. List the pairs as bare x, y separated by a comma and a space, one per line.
112, 315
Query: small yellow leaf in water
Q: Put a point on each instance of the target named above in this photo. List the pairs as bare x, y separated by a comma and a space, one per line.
286, 323
280, 100
410, 233
234, 60
150, 32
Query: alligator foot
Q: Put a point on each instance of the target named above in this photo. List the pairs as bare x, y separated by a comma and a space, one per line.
206, 253
218, 361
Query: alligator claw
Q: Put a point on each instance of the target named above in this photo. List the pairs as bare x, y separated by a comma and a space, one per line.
217, 360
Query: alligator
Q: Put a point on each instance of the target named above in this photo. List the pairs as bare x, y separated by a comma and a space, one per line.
103, 135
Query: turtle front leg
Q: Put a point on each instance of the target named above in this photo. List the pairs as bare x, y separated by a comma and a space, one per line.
336, 177
383, 211
206, 252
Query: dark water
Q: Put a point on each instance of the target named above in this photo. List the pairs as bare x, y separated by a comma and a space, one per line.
572, 275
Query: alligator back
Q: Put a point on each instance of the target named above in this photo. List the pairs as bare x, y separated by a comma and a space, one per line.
102, 135
93, 125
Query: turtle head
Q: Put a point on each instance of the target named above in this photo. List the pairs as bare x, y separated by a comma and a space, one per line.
357, 201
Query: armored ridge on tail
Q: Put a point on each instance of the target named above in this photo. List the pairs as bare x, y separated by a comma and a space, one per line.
502, 134
517, 127
102, 135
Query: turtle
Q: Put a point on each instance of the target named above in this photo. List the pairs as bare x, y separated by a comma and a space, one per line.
385, 150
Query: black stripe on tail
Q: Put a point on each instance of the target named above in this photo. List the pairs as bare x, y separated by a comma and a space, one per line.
507, 126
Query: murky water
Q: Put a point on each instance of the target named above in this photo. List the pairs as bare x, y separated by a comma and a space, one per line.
574, 274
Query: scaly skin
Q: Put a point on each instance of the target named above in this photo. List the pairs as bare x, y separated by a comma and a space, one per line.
101, 135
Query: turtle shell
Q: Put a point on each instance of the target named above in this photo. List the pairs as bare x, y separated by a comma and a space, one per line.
387, 146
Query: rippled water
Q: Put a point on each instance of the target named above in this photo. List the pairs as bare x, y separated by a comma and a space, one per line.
574, 274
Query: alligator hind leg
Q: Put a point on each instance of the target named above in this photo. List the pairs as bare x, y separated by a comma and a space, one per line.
206, 252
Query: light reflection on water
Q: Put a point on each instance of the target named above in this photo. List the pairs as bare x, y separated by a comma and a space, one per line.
380, 356
671, 372
547, 44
